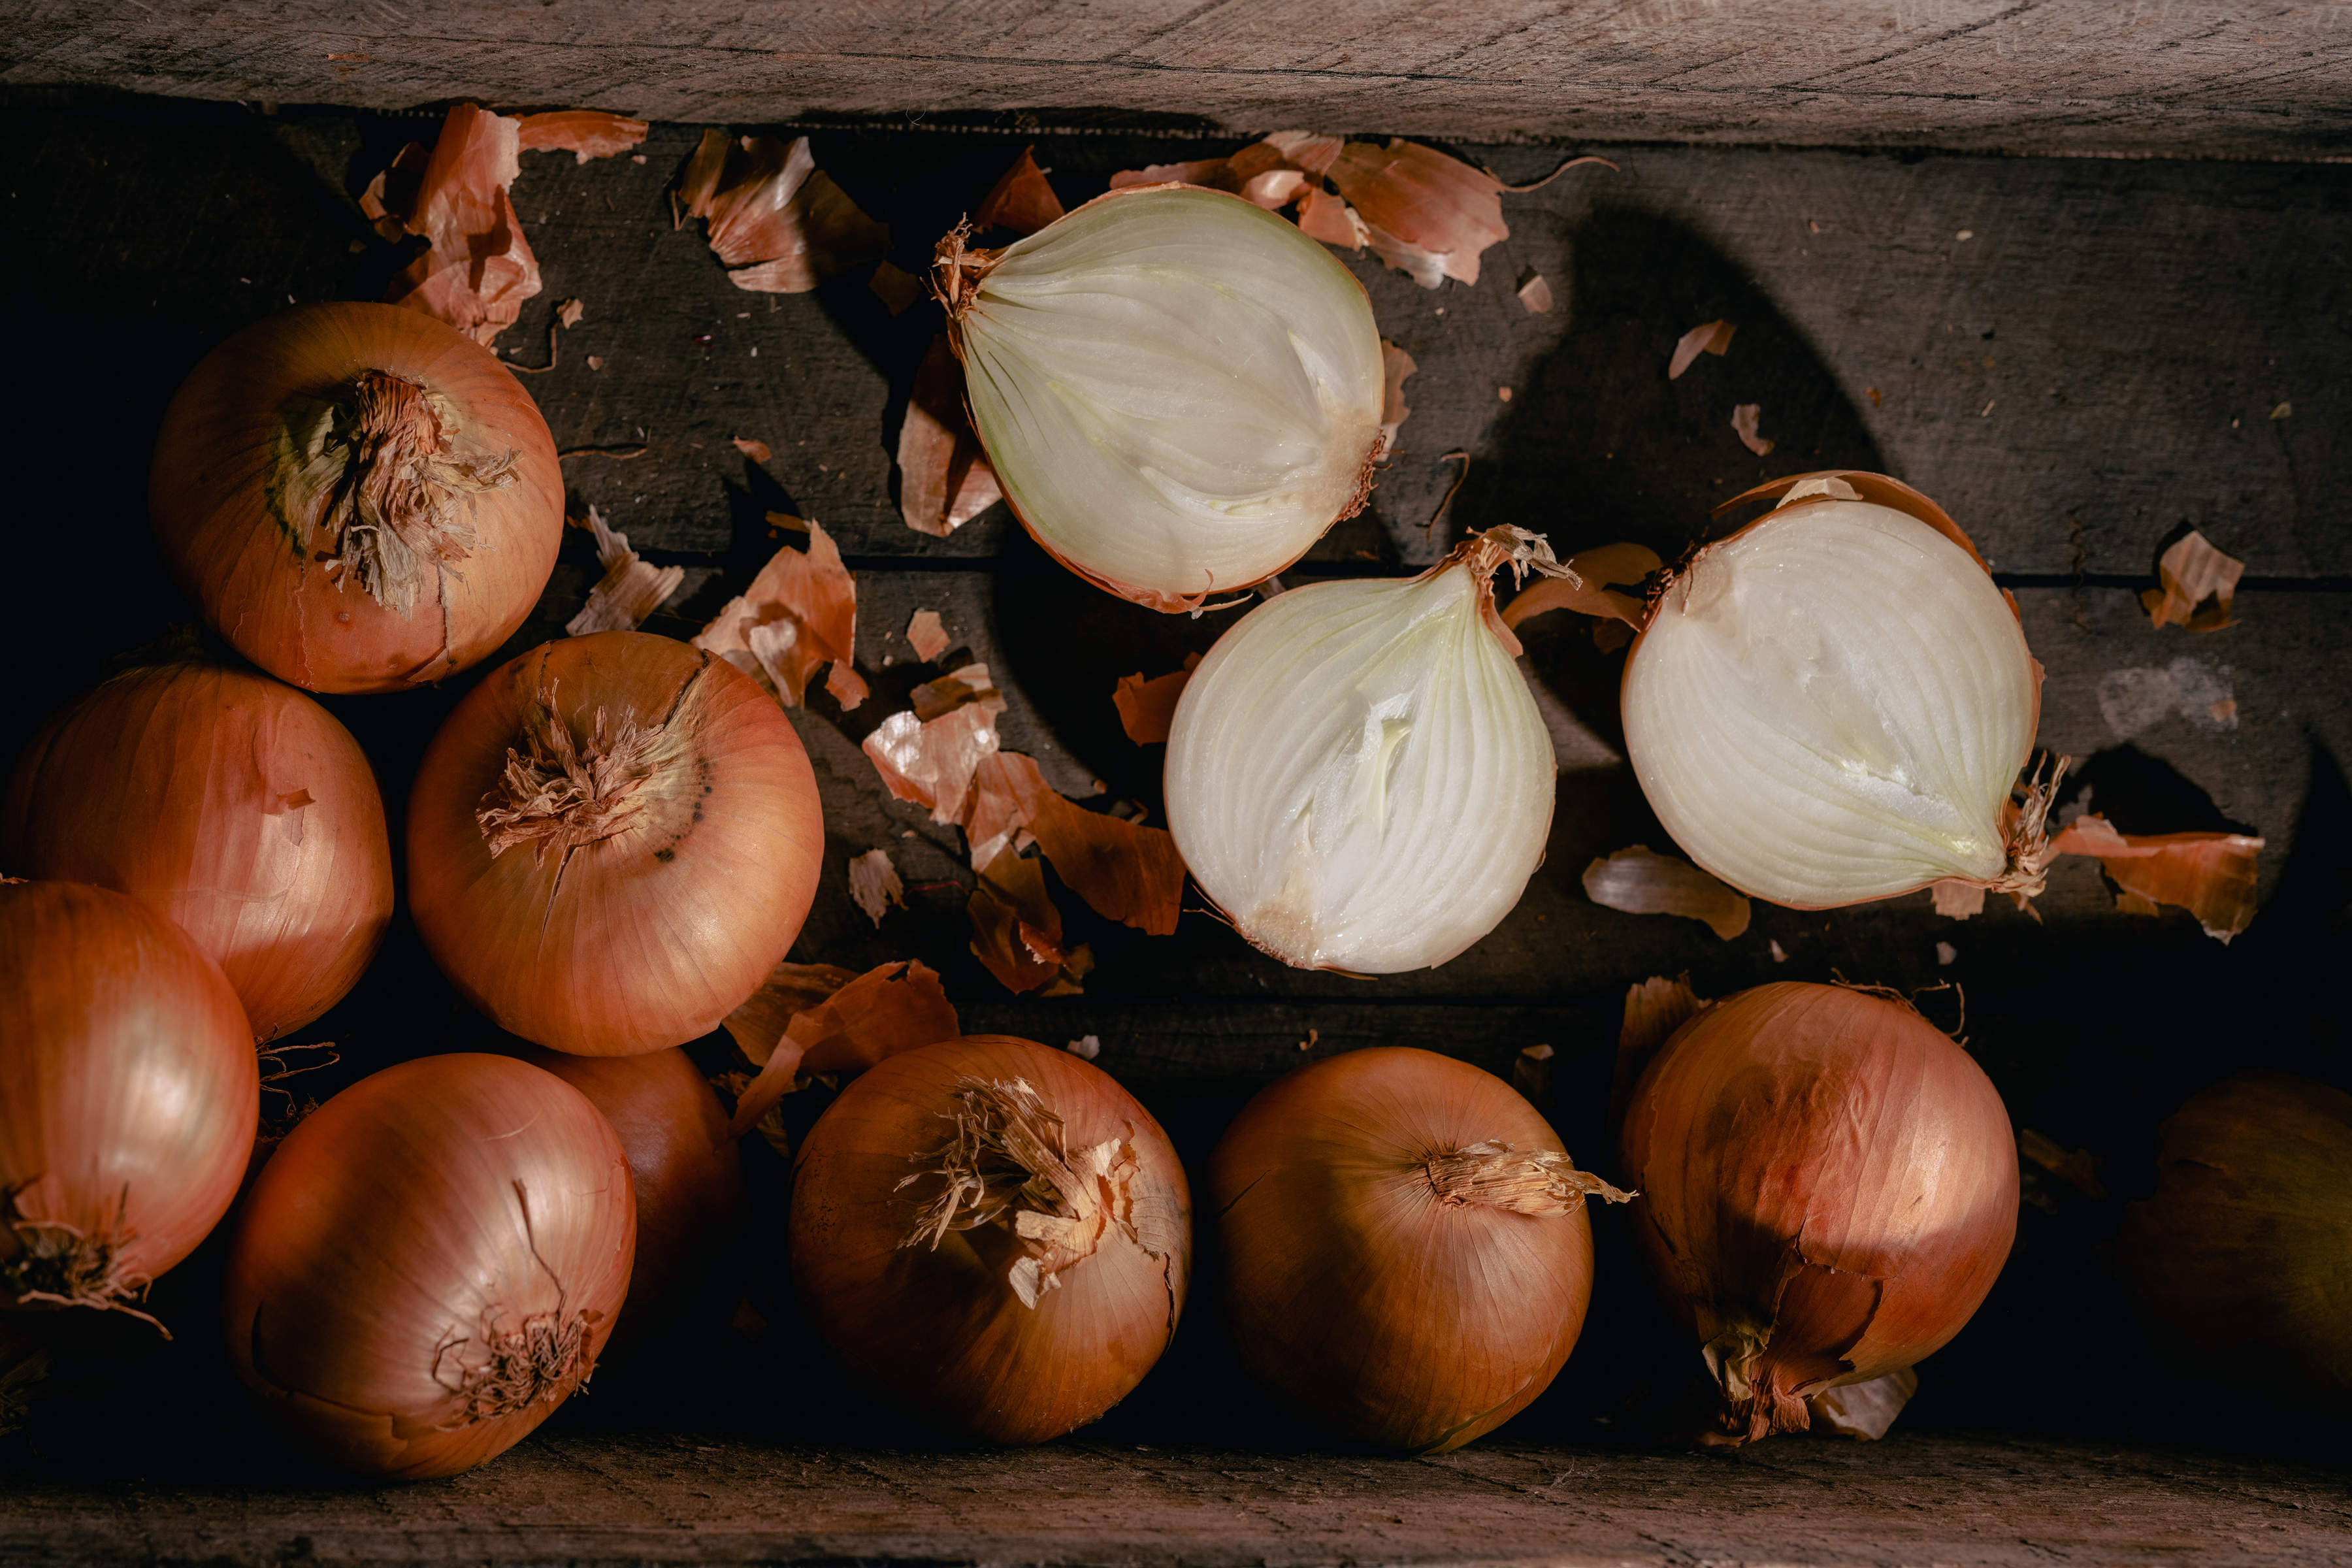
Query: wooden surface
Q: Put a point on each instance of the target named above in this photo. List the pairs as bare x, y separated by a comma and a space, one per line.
2066, 379
2267, 80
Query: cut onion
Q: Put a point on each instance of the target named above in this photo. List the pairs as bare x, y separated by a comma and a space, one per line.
1178, 391
1357, 775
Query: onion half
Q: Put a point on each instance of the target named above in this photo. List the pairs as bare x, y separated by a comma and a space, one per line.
231, 803
1357, 775
1407, 1256
1827, 1189
360, 497
1179, 391
612, 841
430, 1264
1832, 705
993, 1233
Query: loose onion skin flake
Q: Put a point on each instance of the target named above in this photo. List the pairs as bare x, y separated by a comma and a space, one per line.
1827, 1189
1179, 391
129, 1093
612, 841
1407, 1256
359, 497
430, 1264
993, 1233
233, 805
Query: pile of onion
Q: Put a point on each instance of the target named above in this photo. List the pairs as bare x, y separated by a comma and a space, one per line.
1179, 391
1833, 704
361, 497
1406, 1252
430, 1264
1827, 1189
129, 1092
1357, 775
612, 841
2243, 1259
993, 1233
231, 803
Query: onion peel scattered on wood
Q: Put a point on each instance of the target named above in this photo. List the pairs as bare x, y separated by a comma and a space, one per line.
585, 133
629, 591
2211, 875
1640, 881
944, 479
873, 1015
1147, 708
800, 612
2198, 581
1021, 200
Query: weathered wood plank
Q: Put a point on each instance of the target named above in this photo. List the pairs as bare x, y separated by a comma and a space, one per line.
2075, 75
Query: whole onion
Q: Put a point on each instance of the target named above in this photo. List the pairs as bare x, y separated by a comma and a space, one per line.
2243, 1259
612, 841
993, 1233
129, 1092
1827, 1189
229, 801
430, 1264
1407, 1256
359, 497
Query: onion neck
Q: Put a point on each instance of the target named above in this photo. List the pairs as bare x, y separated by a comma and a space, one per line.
958, 269
557, 792
1538, 1181
2026, 833
59, 1264
1487, 553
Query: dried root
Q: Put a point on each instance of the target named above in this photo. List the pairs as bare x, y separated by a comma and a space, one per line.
544, 1359
558, 793
59, 1264
1536, 1182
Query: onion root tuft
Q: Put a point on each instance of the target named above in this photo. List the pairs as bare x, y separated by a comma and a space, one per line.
59, 1264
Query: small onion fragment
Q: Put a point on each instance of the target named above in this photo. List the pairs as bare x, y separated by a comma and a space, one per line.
1178, 391
1356, 774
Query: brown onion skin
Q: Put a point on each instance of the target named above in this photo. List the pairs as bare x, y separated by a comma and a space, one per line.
1380, 1311
171, 784
128, 1089
685, 1171
1824, 1164
220, 477
940, 1331
391, 1223
2241, 1261
648, 939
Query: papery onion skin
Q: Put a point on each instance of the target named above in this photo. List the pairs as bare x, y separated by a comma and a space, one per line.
940, 1330
650, 936
424, 1215
1179, 391
231, 803
1382, 1311
1829, 1189
2243, 1259
129, 1091
686, 1172
241, 508
1358, 776
1831, 706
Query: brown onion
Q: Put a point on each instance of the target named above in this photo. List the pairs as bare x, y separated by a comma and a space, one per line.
430, 1264
231, 803
992, 1233
359, 497
612, 841
685, 1170
128, 1096
1407, 1256
1827, 1189
2242, 1260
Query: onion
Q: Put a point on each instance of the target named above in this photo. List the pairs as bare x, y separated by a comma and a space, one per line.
128, 1097
686, 1172
1829, 1188
1407, 1258
230, 802
1357, 775
993, 1233
612, 841
1832, 705
430, 1264
359, 497
2243, 1259
1179, 391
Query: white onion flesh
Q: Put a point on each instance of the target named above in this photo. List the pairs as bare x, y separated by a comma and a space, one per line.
1831, 706
1179, 391
1358, 776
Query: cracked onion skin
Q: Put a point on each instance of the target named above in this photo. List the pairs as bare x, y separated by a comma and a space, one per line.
1827, 1191
644, 907
327, 413
940, 1330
